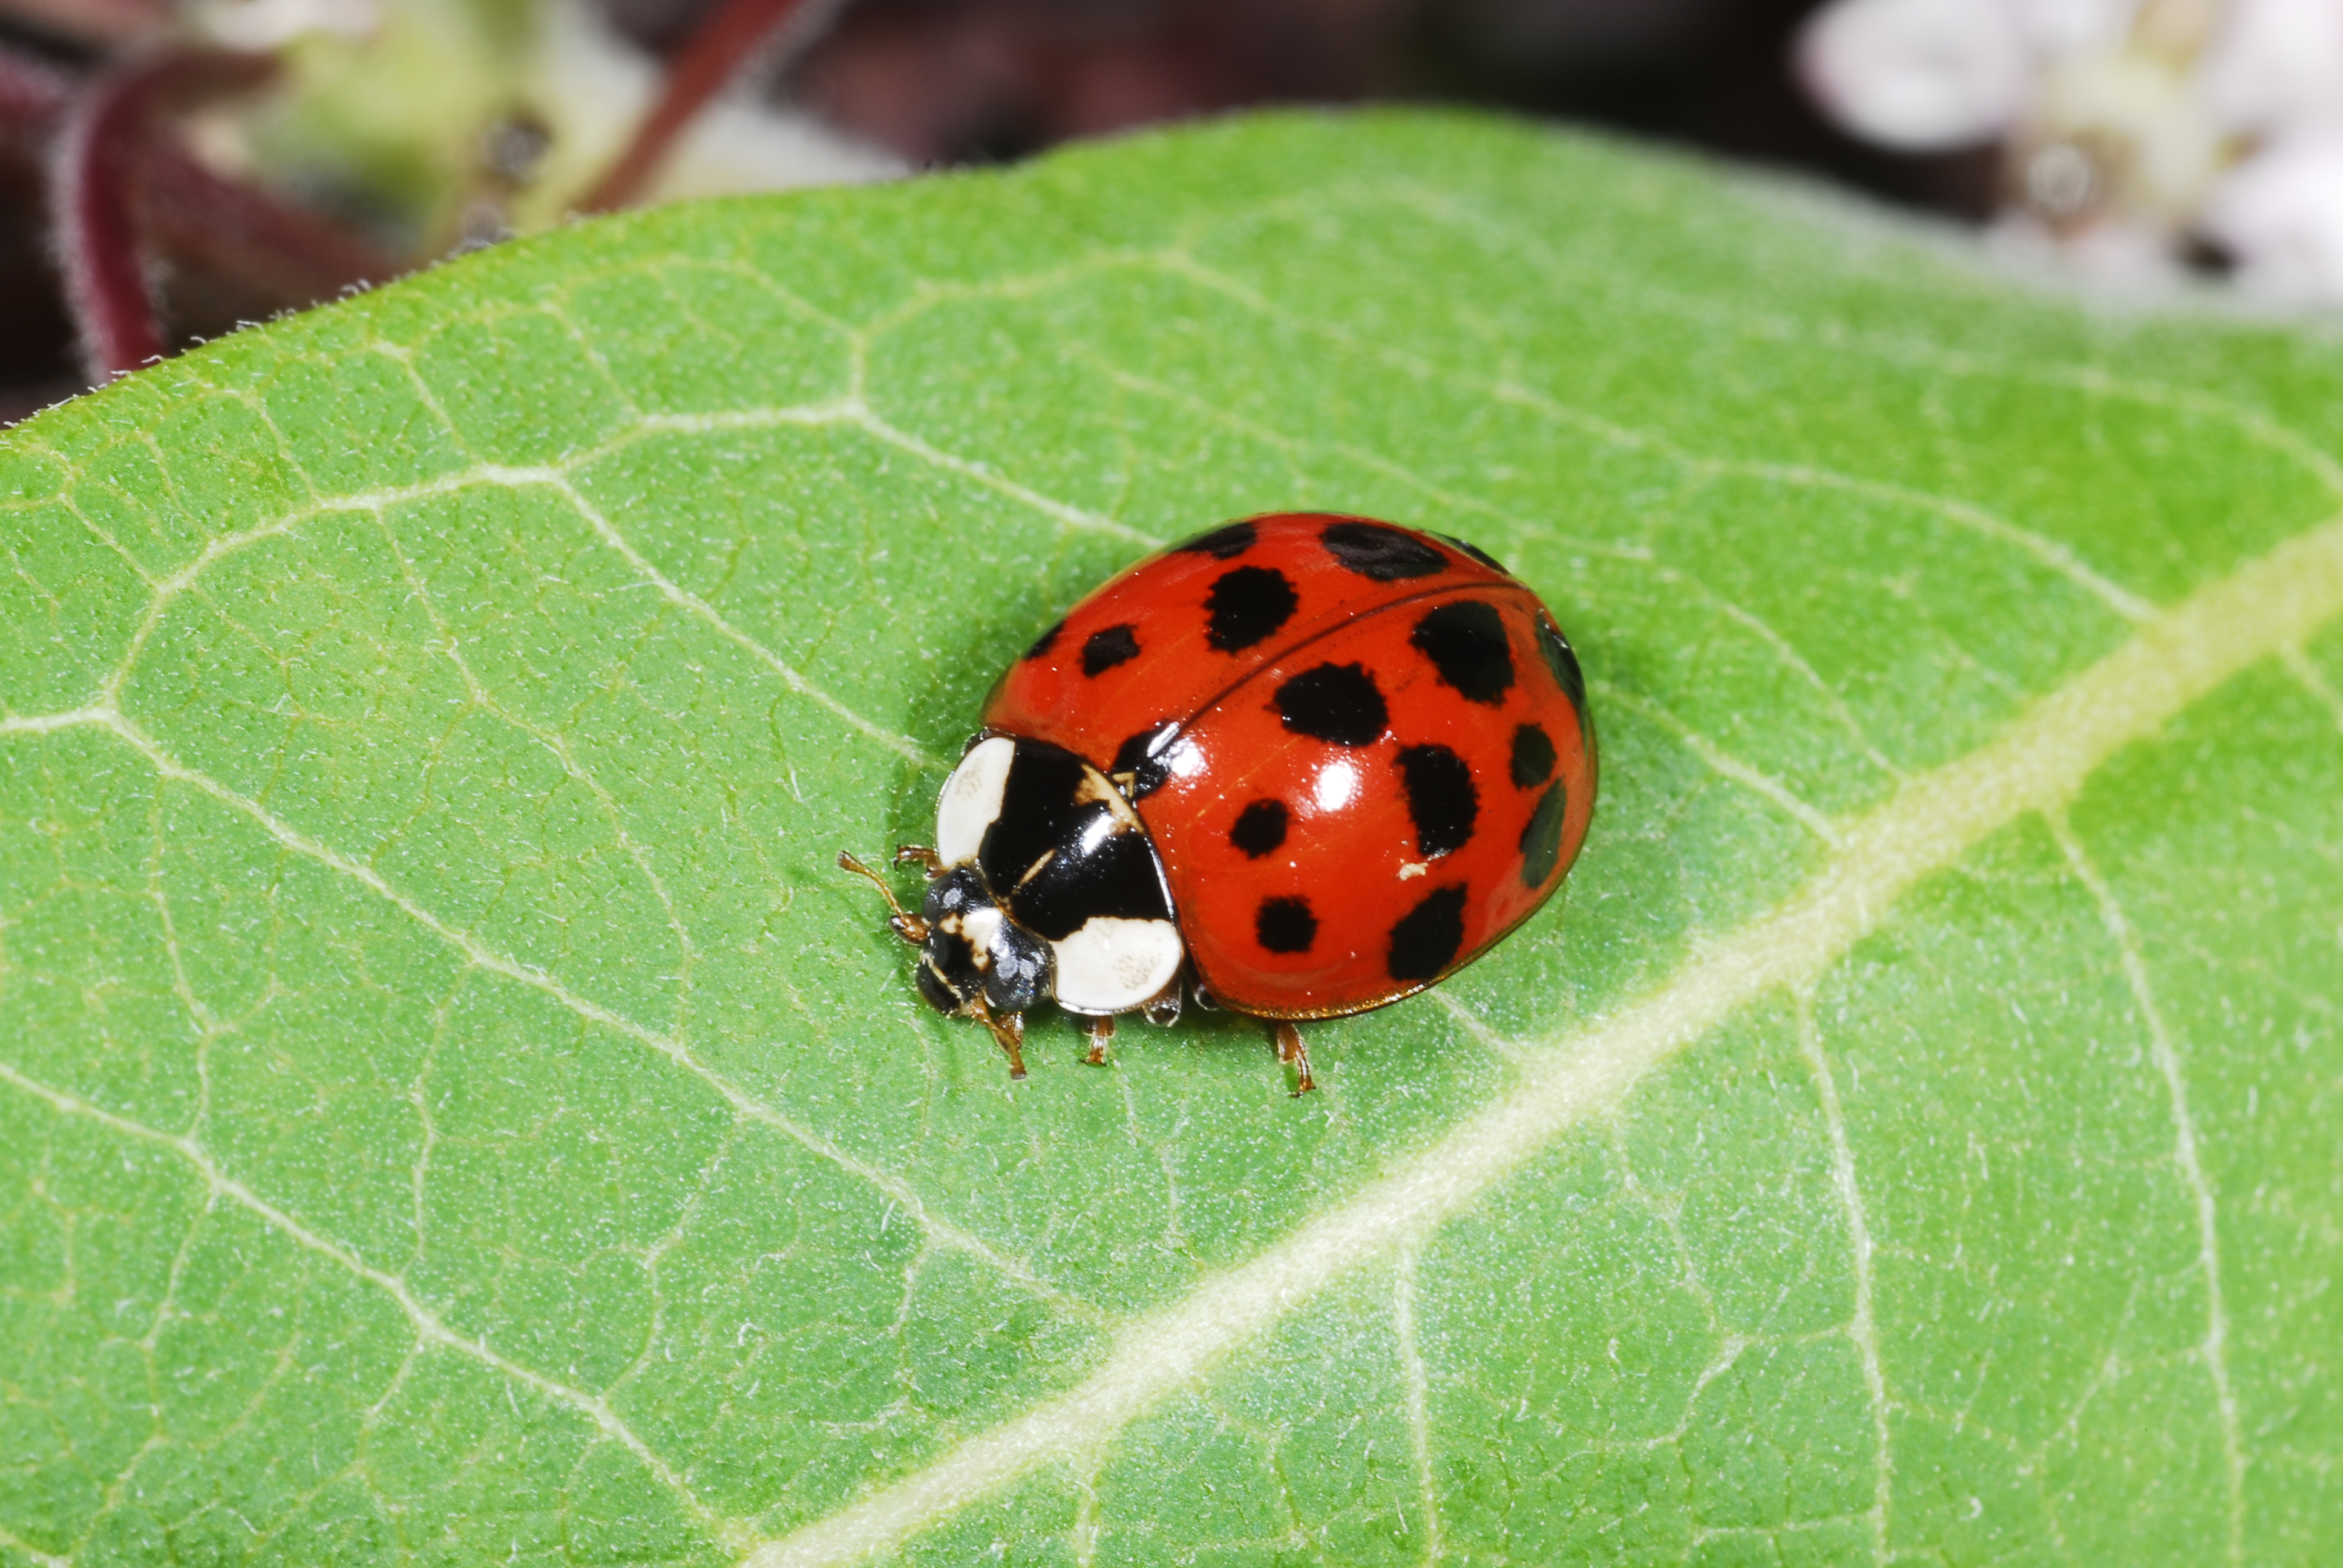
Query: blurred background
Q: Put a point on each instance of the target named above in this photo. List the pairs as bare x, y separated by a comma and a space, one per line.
171, 168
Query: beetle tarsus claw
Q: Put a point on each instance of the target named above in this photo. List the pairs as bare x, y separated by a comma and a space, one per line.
1008, 1033
1291, 1052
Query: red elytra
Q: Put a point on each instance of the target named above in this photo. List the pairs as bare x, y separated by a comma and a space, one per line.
1362, 752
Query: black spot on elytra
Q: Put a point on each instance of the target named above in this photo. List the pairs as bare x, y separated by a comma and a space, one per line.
1533, 756
1564, 666
1261, 828
1336, 702
1440, 798
1142, 757
1285, 925
1466, 641
1425, 939
1223, 544
1384, 554
1542, 839
1046, 641
1477, 553
1102, 650
1247, 604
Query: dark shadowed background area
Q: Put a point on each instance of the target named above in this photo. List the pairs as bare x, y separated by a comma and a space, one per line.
953, 82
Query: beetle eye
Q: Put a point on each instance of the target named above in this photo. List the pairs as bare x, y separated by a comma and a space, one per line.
933, 990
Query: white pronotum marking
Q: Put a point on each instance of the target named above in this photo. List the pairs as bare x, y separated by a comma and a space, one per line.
1112, 965
980, 925
970, 801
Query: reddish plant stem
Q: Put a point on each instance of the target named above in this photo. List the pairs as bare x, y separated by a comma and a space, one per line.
92, 174
719, 49
101, 22
232, 230
97, 245
32, 97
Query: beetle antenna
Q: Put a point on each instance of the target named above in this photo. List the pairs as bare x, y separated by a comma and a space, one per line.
904, 924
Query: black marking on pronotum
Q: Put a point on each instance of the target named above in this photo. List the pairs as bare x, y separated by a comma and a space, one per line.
1542, 839
955, 893
1046, 641
1564, 665
1533, 762
1386, 555
1102, 650
1020, 969
1247, 604
932, 987
1425, 939
1261, 828
1441, 798
1465, 640
947, 976
1055, 859
1285, 925
1336, 702
1477, 552
1223, 544
1143, 759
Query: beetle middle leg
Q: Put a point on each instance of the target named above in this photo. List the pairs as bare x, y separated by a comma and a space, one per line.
1291, 1052
1100, 1031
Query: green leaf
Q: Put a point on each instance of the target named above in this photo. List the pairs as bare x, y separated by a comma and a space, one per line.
453, 1111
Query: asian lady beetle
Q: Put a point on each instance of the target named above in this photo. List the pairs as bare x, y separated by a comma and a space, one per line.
1305, 764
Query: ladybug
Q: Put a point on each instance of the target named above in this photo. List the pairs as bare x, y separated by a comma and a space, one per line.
1303, 765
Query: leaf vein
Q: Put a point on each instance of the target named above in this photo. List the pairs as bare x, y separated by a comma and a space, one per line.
889, 1186
428, 1325
2212, 1350
1863, 1325
2038, 763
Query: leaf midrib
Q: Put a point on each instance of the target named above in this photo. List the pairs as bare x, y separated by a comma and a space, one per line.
860, 416
2264, 610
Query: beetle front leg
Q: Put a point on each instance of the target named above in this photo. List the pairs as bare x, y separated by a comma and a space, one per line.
1291, 1052
920, 855
1008, 1032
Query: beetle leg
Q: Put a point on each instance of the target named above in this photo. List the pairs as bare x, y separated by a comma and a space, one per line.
1291, 1052
1008, 1032
927, 858
1101, 1029
908, 927
1162, 1008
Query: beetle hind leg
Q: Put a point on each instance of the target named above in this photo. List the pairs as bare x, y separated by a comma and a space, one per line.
1291, 1052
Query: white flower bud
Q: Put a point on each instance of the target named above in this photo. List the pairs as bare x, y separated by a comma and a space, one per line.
1917, 74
